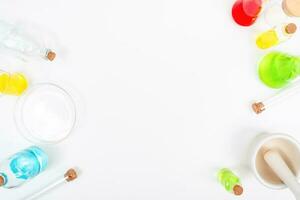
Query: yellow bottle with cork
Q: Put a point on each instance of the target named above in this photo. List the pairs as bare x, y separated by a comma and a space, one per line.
276, 36
12, 84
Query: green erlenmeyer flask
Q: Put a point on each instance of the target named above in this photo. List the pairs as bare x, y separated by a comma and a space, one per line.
278, 69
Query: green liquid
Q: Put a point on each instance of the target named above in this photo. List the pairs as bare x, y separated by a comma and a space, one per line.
228, 179
278, 69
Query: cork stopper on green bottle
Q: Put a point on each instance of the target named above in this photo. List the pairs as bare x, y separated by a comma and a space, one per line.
230, 182
278, 69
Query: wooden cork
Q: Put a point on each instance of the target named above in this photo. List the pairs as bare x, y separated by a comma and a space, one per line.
2, 181
71, 175
238, 190
258, 107
51, 55
291, 7
291, 28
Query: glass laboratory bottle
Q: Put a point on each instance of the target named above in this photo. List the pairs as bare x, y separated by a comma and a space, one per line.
17, 40
245, 12
278, 69
22, 166
12, 84
230, 181
275, 36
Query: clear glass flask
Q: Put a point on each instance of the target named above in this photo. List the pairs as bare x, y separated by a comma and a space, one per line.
17, 40
22, 166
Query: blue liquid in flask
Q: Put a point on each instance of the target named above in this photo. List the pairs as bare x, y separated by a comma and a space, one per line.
22, 166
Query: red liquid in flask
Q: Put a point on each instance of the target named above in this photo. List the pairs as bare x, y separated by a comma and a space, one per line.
245, 12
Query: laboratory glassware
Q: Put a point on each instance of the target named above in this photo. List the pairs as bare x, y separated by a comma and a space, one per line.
45, 114
22, 166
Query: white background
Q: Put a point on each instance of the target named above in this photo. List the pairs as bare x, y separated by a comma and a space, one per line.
163, 89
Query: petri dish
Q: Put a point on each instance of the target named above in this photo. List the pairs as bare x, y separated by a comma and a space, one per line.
45, 114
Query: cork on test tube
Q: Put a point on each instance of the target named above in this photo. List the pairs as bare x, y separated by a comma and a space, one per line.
70, 175
258, 107
50, 55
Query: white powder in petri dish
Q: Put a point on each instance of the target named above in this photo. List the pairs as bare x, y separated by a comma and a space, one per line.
46, 114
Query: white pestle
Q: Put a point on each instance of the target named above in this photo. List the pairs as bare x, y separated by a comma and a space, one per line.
281, 169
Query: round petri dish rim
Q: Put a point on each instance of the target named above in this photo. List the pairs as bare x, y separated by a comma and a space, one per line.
2, 72
19, 121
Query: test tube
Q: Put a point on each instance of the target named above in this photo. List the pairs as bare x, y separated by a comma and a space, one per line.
260, 106
69, 176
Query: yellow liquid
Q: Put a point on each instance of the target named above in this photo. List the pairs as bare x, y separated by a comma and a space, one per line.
267, 39
12, 84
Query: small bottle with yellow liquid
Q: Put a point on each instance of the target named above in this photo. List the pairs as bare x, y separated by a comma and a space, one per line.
12, 84
230, 181
276, 36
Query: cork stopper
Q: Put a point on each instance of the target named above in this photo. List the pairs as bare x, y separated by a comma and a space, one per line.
2, 181
238, 190
51, 55
258, 107
291, 28
291, 7
71, 175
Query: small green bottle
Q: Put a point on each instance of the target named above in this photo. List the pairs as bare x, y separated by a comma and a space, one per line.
230, 181
277, 69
